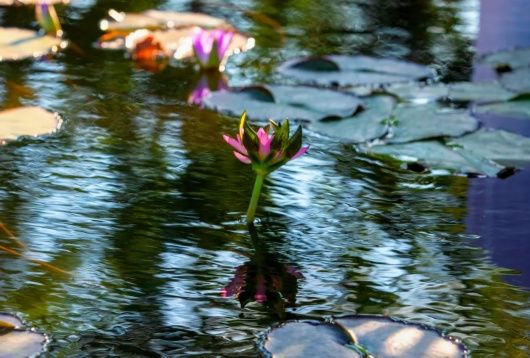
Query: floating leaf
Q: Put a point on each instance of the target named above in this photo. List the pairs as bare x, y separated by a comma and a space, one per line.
517, 81
352, 70
27, 121
417, 92
508, 59
21, 344
8, 321
518, 108
429, 121
500, 146
479, 92
18, 44
308, 339
364, 126
359, 336
280, 102
434, 155
154, 19
384, 338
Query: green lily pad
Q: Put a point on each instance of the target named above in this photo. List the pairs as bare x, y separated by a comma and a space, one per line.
154, 20
27, 121
508, 59
307, 339
434, 155
518, 108
429, 121
417, 92
18, 44
21, 344
499, 146
352, 70
280, 102
9, 321
517, 81
479, 92
364, 126
359, 336
385, 338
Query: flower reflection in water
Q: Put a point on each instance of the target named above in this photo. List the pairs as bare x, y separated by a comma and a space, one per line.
264, 279
208, 82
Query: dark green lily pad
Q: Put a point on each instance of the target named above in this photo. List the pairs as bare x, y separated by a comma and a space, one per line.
353, 70
517, 81
518, 108
21, 344
429, 121
434, 155
280, 102
305, 339
386, 338
479, 92
365, 126
499, 146
9, 321
508, 59
418, 92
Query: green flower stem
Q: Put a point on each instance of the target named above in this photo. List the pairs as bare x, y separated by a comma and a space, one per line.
251, 212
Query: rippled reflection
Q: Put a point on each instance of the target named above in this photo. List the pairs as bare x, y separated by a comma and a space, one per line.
139, 198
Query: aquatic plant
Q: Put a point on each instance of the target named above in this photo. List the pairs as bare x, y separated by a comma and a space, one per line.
208, 83
210, 47
266, 150
47, 18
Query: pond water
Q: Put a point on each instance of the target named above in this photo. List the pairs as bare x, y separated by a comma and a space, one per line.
141, 200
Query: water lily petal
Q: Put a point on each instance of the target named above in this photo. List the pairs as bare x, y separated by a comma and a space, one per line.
202, 45
223, 42
242, 158
301, 152
236, 144
264, 143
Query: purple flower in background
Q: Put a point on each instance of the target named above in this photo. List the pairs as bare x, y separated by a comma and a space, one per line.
208, 83
211, 47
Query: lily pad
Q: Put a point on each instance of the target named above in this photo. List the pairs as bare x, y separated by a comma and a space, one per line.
479, 92
517, 81
418, 92
154, 19
280, 102
8, 321
508, 59
21, 344
430, 121
27, 121
365, 126
339, 70
308, 339
434, 155
499, 146
386, 338
359, 336
518, 108
17, 44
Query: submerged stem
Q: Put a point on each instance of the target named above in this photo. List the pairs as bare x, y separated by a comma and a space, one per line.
255, 198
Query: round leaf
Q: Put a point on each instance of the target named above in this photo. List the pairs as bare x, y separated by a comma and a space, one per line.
27, 121
18, 44
21, 344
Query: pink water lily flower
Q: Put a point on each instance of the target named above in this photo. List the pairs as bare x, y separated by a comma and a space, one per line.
268, 148
210, 47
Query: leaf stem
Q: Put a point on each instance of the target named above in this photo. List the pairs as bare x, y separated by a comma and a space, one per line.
251, 212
